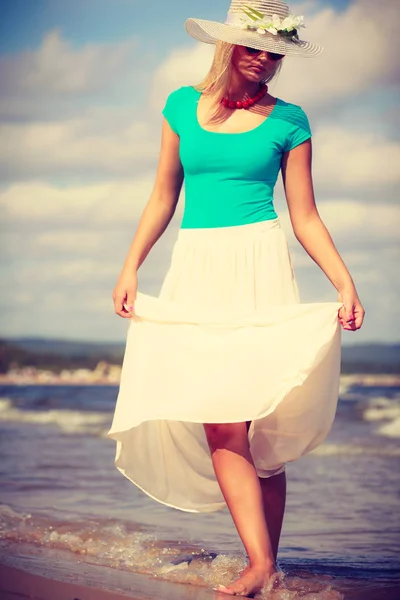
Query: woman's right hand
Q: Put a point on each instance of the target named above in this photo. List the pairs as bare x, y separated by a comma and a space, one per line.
124, 294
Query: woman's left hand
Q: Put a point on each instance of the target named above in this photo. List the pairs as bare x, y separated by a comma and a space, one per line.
351, 314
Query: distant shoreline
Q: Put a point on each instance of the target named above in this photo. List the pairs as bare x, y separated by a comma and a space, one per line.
58, 363
67, 362
109, 375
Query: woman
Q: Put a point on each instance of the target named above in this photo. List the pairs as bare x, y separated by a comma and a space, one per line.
227, 375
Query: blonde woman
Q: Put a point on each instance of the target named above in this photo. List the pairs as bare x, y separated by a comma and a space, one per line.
227, 375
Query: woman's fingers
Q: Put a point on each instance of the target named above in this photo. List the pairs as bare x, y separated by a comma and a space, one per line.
124, 301
347, 311
124, 294
359, 314
351, 315
360, 318
119, 301
131, 297
348, 317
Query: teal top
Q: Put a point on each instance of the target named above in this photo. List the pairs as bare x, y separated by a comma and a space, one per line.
230, 177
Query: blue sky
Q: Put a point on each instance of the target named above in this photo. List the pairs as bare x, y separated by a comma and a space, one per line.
24, 22
83, 85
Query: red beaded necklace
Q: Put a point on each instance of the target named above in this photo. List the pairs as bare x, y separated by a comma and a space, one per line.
245, 103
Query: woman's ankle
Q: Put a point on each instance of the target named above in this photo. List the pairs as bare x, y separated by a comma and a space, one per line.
267, 564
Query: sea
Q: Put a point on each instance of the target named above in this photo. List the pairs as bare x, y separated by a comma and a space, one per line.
64, 502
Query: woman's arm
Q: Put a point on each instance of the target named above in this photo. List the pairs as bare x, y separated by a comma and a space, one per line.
155, 218
312, 233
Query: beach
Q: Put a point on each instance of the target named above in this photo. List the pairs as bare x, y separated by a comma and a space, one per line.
71, 526
25, 584
18, 583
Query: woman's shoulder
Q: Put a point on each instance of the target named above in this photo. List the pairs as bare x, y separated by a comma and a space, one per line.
290, 109
293, 113
293, 122
181, 93
176, 106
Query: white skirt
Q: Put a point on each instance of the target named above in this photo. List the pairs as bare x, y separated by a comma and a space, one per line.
226, 341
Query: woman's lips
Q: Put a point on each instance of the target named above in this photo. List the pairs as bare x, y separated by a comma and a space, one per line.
257, 69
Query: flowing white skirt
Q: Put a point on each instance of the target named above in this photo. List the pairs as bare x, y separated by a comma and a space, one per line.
226, 341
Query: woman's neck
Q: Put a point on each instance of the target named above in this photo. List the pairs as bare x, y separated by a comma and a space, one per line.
240, 88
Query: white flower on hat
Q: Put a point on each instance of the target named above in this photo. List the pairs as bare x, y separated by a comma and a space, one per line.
273, 25
291, 22
276, 22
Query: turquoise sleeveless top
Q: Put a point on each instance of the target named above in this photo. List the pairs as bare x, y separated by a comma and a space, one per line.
230, 177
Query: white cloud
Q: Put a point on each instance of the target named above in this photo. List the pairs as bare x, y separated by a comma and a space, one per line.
63, 246
96, 143
116, 205
41, 202
99, 141
107, 205
113, 141
355, 222
60, 79
67, 263
355, 225
76, 237
72, 242
354, 159
60, 69
359, 51
182, 67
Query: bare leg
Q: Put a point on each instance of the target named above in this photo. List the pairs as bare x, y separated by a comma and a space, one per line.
240, 486
273, 491
274, 498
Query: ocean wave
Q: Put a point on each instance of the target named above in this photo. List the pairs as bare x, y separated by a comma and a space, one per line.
119, 545
328, 449
381, 409
69, 421
391, 430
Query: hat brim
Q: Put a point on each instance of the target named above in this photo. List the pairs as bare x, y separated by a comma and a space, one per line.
210, 32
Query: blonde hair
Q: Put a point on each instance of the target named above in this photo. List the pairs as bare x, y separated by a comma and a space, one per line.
216, 82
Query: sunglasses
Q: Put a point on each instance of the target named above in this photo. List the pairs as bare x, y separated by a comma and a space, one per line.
271, 55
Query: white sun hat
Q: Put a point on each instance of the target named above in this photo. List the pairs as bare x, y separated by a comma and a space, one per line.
262, 24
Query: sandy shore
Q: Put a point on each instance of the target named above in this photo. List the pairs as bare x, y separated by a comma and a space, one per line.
103, 583
16, 584
26, 377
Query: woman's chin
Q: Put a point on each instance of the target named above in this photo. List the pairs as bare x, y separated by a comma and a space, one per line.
255, 77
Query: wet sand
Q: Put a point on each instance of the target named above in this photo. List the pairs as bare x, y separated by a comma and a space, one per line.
16, 584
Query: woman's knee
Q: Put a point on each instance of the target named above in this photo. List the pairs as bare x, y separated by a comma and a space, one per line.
226, 435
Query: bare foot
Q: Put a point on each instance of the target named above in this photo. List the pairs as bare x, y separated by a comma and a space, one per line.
251, 581
241, 573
